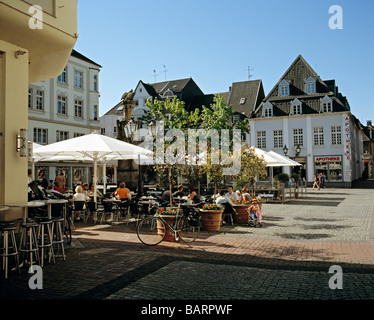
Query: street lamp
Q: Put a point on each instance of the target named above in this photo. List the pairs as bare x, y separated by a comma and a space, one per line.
130, 129
152, 127
285, 150
297, 150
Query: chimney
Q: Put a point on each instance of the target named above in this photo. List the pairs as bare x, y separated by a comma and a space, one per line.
368, 123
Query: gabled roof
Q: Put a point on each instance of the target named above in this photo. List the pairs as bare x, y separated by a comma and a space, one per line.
80, 56
296, 75
245, 96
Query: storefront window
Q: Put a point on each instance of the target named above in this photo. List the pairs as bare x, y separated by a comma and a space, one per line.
330, 166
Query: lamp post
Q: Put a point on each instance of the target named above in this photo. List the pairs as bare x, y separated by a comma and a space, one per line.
130, 128
297, 150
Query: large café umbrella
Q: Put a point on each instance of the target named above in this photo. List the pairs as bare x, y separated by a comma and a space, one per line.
93, 147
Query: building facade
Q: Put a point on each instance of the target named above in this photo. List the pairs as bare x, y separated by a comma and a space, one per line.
311, 121
65, 107
35, 44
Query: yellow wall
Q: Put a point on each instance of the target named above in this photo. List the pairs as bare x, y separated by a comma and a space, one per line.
14, 116
46, 52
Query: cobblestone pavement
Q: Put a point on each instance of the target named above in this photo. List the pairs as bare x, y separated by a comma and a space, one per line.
288, 258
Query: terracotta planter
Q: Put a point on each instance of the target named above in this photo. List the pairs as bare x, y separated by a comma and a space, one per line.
170, 235
242, 216
211, 219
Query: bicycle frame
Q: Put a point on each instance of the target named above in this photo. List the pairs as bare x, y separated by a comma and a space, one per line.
178, 219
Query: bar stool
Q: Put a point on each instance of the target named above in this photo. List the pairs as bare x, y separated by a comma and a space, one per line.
8, 249
29, 242
57, 236
45, 239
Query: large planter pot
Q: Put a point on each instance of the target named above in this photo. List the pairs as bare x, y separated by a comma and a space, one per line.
242, 216
211, 219
170, 235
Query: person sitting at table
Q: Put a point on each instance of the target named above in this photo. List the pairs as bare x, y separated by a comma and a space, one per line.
91, 191
193, 195
79, 194
245, 194
227, 204
56, 187
85, 188
231, 194
238, 194
179, 192
122, 192
166, 197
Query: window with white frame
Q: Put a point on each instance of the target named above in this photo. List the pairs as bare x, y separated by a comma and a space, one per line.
95, 112
95, 87
62, 77
278, 138
296, 107
298, 137
267, 110
261, 139
326, 104
336, 135
78, 108
78, 79
61, 135
78, 134
284, 88
61, 105
30, 98
310, 85
318, 136
39, 100
40, 135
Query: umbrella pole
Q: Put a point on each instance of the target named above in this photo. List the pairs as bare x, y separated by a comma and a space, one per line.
104, 178
95, 179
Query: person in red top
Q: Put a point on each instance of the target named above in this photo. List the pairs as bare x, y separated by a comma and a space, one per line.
122, 192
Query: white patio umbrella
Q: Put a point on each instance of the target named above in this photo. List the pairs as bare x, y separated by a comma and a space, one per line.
93, 147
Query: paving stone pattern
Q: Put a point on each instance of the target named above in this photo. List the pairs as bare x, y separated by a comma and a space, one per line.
288, 258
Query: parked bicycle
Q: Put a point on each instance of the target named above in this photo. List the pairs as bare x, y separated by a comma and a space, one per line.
152, 229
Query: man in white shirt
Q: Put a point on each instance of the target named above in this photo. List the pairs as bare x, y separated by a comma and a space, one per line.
231, 194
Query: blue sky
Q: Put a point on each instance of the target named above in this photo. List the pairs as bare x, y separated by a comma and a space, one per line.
214, 42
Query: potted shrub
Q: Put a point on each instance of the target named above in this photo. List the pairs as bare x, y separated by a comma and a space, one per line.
211, 217
241, 207
169, 215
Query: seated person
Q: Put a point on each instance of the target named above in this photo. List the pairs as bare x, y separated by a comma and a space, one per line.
226, 203
193, 195
122, 192
79, 194
91, 191
179, 192
56, 187
245, 194
231, 194
166, 196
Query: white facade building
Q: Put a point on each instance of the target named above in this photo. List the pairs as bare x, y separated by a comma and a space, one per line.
306, 112
65, 107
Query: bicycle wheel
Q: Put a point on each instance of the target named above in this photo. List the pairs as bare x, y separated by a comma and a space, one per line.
190, 229
150, 232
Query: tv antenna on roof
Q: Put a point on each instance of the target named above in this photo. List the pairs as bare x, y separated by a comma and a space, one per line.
155, 75
249, 69
164, 70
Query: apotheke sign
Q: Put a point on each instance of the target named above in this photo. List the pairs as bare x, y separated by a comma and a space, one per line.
326, 159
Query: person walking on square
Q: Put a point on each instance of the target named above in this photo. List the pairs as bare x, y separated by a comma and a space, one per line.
322, 178
315, 182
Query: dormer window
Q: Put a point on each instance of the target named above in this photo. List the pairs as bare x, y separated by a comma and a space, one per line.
284, 88
326, 104
267, 110
242, 100
310, 86
296, 107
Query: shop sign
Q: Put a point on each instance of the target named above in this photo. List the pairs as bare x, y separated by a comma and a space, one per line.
327, 159
347, 137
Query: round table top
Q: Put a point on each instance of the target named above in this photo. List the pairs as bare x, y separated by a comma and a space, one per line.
4, 208
35, 203
51, 201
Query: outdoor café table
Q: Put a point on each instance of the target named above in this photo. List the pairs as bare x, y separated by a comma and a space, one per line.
26, 206
54, 201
